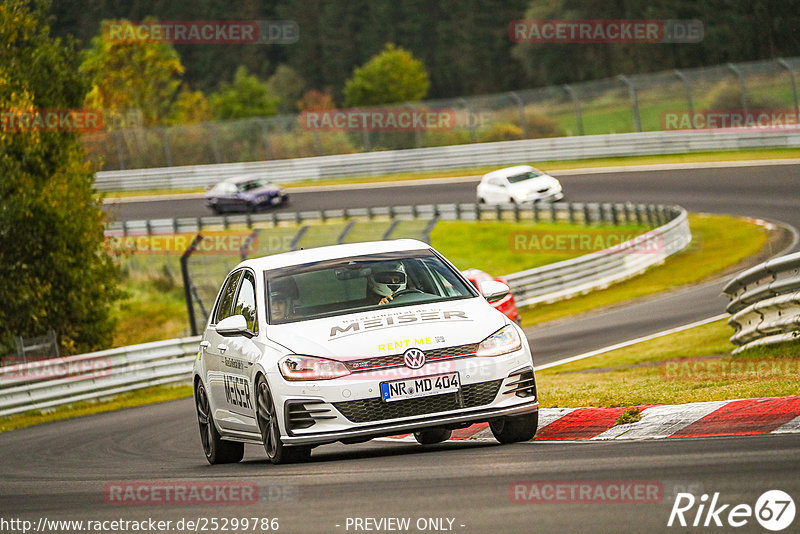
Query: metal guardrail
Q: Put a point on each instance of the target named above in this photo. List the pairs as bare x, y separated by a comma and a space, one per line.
49, 383
600, 269
43, 384
765, 303
448, 157
573, 212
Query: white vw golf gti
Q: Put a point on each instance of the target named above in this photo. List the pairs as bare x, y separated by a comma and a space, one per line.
352, 342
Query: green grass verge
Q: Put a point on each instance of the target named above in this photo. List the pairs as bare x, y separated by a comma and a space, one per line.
153, 309
127, 400
719, 243
690, 366
553, 165
490, 245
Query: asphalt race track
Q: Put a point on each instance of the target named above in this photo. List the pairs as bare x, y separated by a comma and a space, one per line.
60, 470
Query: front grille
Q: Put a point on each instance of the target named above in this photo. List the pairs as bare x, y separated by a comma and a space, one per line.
470, 396
380, 362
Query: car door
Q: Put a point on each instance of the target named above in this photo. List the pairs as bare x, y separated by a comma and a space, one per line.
498, 190
243, 351
217, 347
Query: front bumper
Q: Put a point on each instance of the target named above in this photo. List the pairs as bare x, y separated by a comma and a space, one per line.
350, 408
411, 426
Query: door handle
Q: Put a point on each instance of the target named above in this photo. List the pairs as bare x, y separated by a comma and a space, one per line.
205, 344
222, 347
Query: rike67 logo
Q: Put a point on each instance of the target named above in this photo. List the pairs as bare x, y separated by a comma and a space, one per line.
774, 510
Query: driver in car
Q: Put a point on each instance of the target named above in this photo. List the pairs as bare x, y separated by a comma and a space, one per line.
280, 299
385, 281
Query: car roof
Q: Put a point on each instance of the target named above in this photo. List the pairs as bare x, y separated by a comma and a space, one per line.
300, 257
508, 171
242, 178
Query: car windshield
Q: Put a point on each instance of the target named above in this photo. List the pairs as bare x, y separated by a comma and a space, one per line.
524, 176
252, 184
356, 284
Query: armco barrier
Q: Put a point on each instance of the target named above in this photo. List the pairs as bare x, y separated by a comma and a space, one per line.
449, 157
573, 212
49, 383
45, 384
765, 303
599, 269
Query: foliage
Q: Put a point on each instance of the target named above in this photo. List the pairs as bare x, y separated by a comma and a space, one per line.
190, 107
288, 86
54, 272
541, 126
501, 131
316, 100
247, 96
134, 75
465, 45
391, 76
728, 96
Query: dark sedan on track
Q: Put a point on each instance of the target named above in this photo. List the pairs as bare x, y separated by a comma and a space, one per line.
244, 193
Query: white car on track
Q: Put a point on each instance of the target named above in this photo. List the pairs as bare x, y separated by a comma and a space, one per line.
517, 185
352, 342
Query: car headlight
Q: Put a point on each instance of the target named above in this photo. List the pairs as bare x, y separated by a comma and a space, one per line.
295, 367
503, 341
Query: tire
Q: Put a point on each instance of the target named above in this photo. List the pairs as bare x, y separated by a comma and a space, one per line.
518, 320
516, 428
277, 452
217, 450
434, 435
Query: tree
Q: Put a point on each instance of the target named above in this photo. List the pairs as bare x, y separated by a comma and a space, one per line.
288, 86
54, 271
246, 97
137, 75
391, 76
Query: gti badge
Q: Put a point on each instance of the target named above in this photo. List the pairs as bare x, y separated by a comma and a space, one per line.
414, 358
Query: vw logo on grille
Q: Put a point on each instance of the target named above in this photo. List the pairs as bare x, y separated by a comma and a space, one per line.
414, 358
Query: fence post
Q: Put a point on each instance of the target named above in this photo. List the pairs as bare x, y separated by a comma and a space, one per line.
637, 123
576, 104
782, 62
120, 153
688, 88
187, 281
742, 89
521, 108
167, 147
212, 128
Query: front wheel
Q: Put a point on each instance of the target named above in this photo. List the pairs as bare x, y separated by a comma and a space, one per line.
511, 429
217, 450
277, 452
434, 435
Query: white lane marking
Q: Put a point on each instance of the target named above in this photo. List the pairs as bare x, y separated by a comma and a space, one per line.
632, 342
662, 421
792, 427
